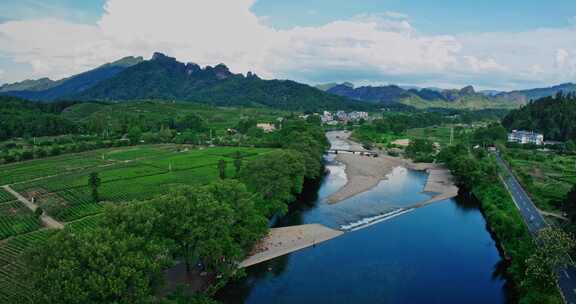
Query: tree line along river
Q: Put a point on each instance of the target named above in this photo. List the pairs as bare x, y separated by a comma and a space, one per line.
442, 253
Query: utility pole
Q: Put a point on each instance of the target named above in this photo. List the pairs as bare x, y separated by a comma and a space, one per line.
451, 134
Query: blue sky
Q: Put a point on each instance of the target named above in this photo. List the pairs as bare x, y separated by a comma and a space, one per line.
491, 44
440, 17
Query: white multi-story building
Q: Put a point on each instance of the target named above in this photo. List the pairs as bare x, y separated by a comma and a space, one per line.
358, 115
342, 116
327, 117
526, 137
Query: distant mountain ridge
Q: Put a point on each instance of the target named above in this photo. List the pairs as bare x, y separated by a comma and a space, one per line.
48, 90
466, 97
29, 85
165, 78
524, 96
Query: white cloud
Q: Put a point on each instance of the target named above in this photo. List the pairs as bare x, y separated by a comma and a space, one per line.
395, 15
371, 47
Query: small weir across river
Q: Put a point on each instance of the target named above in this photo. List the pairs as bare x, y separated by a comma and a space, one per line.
441, 253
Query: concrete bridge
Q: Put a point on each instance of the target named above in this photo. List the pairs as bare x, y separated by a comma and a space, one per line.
359, 152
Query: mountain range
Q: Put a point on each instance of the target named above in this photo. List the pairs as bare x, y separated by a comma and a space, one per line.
466, 97
163, 77
45, 89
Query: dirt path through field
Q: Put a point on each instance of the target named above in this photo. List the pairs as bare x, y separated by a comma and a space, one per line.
47, 220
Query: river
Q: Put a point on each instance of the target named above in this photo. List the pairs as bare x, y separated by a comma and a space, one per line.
441, 253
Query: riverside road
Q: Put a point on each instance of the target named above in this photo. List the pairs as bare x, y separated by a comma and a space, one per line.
535, 221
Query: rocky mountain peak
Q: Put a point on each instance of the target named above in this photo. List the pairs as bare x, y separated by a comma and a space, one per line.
468, 90
159, 57
221, 71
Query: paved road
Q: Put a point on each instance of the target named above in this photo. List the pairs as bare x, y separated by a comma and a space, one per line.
535, 221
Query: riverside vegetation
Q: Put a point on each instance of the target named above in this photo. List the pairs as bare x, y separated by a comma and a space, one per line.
530, 266
153, 207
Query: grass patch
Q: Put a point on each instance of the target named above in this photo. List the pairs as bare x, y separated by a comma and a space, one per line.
547, 176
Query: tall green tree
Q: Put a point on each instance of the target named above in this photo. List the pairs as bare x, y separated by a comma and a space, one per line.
238, 162
135, 134
98, 266
249, 223
278, 177
94, 183
222, 169
200, 226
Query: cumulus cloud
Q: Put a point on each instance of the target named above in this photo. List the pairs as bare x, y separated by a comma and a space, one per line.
366, 48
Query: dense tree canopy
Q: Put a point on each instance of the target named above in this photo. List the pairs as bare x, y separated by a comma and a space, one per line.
19, 118
552, 116
278, 176
99, 266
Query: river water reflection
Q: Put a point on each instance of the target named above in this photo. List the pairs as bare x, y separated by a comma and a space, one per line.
441, 253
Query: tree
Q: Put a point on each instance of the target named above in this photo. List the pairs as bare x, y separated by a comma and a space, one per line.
191, 122
278, 177
94, 183
134, 135
98, 266
420, 149
489, 135
552, 252
222, 169
165, 134
238, 162
249, 224
199, 226
246, 124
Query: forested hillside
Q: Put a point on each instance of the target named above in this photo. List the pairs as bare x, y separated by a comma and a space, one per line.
164, 77
20, 118
555, 117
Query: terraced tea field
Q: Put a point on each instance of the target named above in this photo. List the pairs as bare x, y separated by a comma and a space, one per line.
16, 219
5, 196
67, 197
13, 286
60, 186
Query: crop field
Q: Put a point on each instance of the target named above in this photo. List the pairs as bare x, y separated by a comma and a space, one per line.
16, 219
5, 196
439, 134
18, 172
127, 173
130, 173
546, 176
13, 286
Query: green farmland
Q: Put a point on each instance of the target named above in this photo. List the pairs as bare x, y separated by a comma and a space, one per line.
60, 186
440, 134
546, 176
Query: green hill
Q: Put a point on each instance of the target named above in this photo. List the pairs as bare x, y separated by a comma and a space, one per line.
554, 117
165, 78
